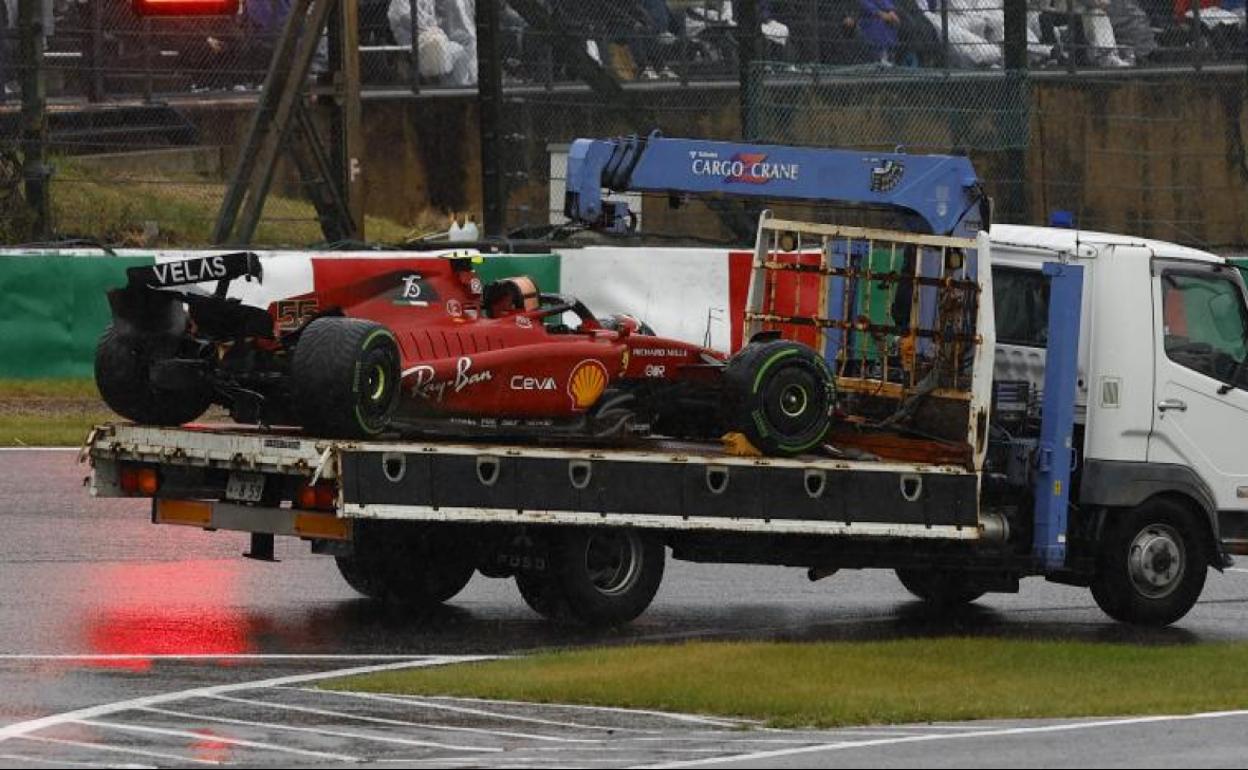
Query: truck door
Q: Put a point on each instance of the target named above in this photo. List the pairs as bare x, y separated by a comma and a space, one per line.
1200, 403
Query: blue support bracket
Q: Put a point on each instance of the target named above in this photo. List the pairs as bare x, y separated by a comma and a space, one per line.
1054, 453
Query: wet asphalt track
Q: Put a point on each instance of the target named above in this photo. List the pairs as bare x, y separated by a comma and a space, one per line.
125, 643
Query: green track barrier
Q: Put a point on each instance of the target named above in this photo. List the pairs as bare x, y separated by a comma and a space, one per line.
53, 311
55, 307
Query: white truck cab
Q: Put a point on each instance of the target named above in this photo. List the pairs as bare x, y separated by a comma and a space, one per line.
1163, 390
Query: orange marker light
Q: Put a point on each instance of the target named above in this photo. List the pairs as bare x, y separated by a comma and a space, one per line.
306, 497
149, 481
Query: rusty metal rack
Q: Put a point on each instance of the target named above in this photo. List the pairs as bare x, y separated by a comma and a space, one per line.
895, 315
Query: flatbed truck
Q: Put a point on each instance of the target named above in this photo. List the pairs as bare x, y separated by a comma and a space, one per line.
1080, 419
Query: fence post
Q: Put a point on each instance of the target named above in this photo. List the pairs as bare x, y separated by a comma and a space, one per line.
414, 55
1018, 91
490, 122
747, 54
35, 171
944, 34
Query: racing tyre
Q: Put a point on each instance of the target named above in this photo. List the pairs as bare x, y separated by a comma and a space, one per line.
1152, 565
598, 576
408, 564
123, 363
944, 588
779, 394
345, 377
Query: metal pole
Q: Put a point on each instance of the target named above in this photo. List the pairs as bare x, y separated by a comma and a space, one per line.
747, 54
148, 85
95, 91
1018, 90
414, 66
348, 144
944, 33
490, 116
35, 171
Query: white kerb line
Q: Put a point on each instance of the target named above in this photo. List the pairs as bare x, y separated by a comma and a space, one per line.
94, 712
1009, 731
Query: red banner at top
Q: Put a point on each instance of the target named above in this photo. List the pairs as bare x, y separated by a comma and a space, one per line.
185, 7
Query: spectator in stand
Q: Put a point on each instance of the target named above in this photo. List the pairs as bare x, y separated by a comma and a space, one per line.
650, 45
1132, 31
262, 23
878, 22
976, 31
446, 44
919, 42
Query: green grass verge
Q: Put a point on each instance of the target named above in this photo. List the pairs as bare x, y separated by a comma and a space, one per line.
851, 683
49, 430
49, 412
114, 208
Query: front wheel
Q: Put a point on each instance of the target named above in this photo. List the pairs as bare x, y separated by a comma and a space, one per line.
597, 576
1152, 565
778, 394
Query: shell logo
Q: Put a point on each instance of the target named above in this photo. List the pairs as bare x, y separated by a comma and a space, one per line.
588, 381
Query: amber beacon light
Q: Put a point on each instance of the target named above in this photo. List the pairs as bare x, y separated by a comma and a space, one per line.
185, 7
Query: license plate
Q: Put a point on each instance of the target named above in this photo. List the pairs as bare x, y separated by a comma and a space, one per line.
247, 487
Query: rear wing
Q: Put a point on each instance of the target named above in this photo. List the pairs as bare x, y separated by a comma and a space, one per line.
221, 268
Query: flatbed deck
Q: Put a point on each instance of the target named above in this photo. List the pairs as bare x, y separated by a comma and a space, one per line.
655, 484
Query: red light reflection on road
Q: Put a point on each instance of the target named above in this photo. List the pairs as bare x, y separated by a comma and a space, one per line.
174, 608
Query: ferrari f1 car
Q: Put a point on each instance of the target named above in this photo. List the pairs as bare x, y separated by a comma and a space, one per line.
413, 346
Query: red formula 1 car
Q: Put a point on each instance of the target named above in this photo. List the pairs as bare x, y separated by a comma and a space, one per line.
421, 346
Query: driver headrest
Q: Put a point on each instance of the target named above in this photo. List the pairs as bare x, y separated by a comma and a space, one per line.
520, 293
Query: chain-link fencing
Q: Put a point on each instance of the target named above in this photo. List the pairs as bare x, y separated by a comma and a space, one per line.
1117, 114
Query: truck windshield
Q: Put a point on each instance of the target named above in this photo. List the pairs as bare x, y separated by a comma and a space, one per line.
1205, 323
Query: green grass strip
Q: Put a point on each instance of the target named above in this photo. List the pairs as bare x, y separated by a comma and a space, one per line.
49, 412
850, 683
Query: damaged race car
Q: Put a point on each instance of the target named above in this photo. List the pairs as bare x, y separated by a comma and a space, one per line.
421, 346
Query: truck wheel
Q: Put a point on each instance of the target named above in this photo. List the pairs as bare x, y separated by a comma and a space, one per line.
946, 588
345, 377
122, 366
408, 564
1152, 564
779, 394
597, 576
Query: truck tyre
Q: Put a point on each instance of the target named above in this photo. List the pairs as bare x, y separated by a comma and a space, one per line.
345, 377
945, 588
1152, 564
597, 576
778, 394
122, 366
407, 564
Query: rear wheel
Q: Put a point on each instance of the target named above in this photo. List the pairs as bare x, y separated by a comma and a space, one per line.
779, 395
1152, 565
596, 576
345, 377
408, 564
946, 588
123, 364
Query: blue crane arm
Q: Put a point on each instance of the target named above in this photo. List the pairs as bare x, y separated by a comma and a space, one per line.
941, 191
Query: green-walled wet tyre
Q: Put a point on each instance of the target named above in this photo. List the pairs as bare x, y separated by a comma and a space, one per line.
779, 394
345, 377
